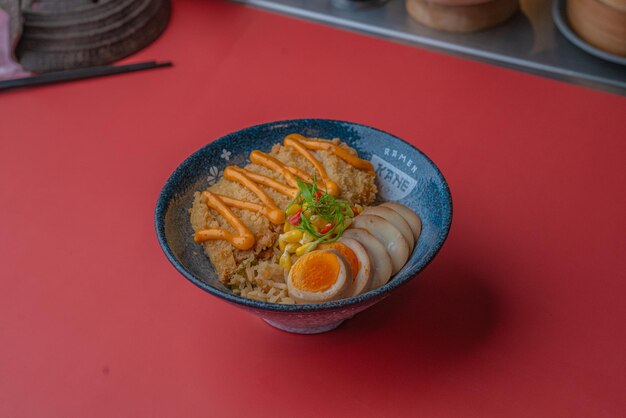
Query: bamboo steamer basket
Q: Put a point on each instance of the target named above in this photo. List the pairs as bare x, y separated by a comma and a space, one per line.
602, 23
461, 15
61, 35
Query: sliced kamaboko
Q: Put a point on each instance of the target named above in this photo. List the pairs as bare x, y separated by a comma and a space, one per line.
380, 260
388, 235
396, 220
361, 282
319, 276
409, 216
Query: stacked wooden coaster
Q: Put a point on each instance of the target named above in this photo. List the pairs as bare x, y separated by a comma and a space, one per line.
461, 15
602, 23
60, 35
12, 9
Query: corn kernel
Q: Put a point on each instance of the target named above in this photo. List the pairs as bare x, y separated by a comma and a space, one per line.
292, 236
282, 244
302, 249
359, 209
306, 238
291, 210
317, 221
288, 227
291, 247
285, 261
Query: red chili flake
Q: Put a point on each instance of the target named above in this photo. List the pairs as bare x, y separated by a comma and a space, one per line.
327, 228
295, 218
318, 195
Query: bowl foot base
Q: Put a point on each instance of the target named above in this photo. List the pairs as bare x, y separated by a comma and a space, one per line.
305, 329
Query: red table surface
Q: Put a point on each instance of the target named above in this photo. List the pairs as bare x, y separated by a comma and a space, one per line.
521, 314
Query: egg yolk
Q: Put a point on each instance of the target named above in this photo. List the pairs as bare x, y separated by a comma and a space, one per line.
346, 252
315, 271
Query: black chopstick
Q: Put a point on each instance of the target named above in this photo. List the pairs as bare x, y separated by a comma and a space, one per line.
79, 74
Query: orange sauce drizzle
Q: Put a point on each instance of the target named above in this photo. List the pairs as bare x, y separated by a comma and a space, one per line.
275, 214
272, 163
340, 152
295, 141
244, 238
266, 181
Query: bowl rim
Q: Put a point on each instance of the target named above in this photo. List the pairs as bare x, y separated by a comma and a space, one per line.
165, 196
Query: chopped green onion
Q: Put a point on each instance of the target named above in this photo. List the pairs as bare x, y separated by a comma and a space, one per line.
318, 202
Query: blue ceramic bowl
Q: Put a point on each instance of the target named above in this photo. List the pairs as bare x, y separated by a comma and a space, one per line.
404, 174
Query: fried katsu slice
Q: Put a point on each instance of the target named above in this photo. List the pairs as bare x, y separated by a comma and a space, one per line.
355, 186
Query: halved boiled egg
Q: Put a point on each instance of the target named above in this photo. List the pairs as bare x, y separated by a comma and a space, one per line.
409, 216
359, 262
319, 276
342, 249
379, 257
388, 235
361, 282
396, 220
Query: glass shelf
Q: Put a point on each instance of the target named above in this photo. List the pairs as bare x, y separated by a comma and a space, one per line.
529, 41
